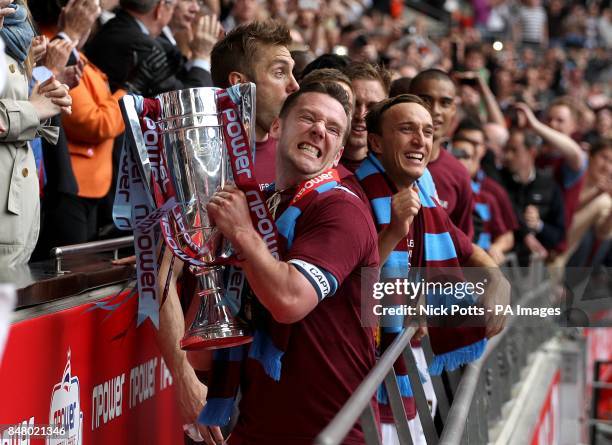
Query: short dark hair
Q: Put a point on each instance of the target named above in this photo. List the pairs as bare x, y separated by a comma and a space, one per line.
460, 138
367, 71
326, 75
429, 74
400, 86
374, 117
140, 6
331, 89
473, 48
327, 61
239, 49
469, 124
600, 145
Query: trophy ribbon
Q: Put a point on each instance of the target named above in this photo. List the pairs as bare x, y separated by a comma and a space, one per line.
235, 138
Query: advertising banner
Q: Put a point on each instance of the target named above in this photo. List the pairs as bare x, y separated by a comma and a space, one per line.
86, 375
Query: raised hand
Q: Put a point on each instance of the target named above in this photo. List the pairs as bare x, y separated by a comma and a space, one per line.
5, 10
149, 71
38, 49
532, 217
525, 115
404, 207
206, 30
77, 18
58, 53
71, 75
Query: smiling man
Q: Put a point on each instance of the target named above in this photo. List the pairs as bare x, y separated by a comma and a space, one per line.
438, 90
412, 227
312, 294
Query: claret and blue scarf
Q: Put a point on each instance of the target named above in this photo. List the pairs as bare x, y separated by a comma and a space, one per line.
433, 249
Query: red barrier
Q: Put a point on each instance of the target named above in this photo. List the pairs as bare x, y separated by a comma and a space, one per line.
92, 372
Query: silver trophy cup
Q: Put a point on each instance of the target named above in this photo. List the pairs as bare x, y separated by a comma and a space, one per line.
198, 167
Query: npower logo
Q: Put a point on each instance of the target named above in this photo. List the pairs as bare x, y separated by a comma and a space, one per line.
65, 411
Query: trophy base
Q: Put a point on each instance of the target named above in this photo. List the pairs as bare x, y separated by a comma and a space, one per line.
209, 339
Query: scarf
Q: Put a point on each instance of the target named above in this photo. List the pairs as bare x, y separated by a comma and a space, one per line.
433, 248
270, 339
482, 210
17, 33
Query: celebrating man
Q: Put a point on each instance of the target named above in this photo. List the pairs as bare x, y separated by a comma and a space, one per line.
415, 232
311, 296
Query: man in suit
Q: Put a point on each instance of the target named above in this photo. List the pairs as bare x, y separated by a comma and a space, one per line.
127, 49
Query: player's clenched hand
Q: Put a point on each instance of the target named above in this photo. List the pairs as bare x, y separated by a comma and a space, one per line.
229, 212
404, 207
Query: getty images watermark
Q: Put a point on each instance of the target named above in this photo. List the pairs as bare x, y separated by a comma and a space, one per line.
467, 296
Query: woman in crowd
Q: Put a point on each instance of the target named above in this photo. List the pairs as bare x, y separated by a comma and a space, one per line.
21, 120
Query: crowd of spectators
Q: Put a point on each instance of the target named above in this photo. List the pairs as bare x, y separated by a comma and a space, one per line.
531, 84
518, 93
526, 75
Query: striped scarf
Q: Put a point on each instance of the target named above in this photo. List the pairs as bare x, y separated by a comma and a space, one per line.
482, 211
433, 249
271, 338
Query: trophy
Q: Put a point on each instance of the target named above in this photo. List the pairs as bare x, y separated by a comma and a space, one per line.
197, 163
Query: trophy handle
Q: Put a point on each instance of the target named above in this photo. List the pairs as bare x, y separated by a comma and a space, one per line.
214, 326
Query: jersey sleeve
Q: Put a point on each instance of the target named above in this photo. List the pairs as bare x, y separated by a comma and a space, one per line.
336, 235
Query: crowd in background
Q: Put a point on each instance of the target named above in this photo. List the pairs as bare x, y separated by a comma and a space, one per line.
526, 65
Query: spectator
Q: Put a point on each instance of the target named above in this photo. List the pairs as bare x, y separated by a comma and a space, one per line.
592, 224
243, 12
603, 126
533, 24
559, 152
496, 137
127, 51
21, 119
490, 230
537, 199
91, 130
188, 41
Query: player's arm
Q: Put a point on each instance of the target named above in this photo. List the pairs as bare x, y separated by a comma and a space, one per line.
282, 289
190, 392
497, 290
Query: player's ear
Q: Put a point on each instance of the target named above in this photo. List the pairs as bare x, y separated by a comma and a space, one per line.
338, 156
236, 77
375, 143
275, 128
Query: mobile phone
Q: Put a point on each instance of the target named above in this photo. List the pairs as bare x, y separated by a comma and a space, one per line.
473, 82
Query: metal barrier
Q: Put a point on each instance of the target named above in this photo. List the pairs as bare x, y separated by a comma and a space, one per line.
480, 391
113, 244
